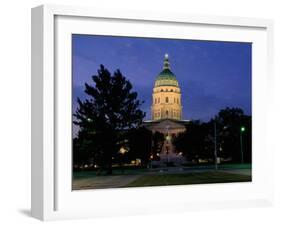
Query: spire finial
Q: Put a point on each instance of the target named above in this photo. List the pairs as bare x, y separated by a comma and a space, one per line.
166, 62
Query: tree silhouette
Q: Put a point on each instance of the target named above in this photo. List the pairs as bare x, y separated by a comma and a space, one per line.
197, 142
229, 122
110, 109
158, 142
140, 142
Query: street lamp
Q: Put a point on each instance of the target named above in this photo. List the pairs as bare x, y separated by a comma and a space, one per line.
123, 151
168, 140
242, 130
215, 143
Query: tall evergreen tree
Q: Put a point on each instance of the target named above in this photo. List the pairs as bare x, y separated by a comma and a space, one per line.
111, 108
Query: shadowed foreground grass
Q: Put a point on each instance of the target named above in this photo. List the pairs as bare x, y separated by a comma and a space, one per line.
189, 178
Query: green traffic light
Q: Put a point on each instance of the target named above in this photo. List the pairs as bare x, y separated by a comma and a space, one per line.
243, 129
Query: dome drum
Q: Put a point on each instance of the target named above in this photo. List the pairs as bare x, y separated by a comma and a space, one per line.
166, 95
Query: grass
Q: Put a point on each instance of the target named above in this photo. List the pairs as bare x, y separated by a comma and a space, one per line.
137, 171
90, 174
189, 178
84, 174
220, 166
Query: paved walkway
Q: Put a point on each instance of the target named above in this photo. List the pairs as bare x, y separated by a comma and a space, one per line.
247, 172
104, 182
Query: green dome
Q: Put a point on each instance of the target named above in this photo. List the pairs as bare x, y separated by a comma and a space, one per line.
166, 76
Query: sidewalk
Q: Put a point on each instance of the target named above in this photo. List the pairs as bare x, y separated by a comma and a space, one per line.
104, 182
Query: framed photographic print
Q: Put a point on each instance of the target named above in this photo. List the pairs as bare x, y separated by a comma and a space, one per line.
137, 112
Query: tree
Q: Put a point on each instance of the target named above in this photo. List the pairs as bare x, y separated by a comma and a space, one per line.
111, 108
229, 122
198, 139
157, 144
140, 142
81, 155
195, 142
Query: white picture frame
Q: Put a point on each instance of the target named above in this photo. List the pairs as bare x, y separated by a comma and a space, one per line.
52, 197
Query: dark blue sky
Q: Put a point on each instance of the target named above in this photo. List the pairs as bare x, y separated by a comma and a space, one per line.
212, 75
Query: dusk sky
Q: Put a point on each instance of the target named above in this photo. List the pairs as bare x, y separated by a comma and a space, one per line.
212, 75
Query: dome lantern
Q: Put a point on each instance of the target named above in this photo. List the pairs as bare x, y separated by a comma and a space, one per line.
166, 62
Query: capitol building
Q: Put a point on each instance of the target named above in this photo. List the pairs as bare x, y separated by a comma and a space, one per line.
166, 96
166, 111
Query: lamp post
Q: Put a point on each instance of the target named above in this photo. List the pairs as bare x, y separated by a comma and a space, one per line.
151, 151
122, 151
242, 130
215, 143
168, 144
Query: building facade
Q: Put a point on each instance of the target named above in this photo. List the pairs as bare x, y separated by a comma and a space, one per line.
166, 112
166, 95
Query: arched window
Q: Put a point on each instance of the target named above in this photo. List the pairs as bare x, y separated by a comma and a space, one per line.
177, 100
172, 90
161, 90
167, 99
167, 113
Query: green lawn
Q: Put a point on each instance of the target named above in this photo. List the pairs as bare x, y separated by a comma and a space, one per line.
189, 178
90, 174
136, 171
